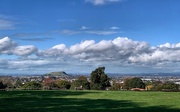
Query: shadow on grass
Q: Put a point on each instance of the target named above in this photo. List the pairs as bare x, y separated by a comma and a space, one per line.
44, 94
35, 102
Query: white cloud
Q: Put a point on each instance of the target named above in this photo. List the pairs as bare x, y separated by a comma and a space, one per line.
84, 28
116, 52
78, 48
120, 52
59, 47
119, 48
165, 45
7, 46
114, 28
101, 2
163, 54
168, 45
24, 50
96, 2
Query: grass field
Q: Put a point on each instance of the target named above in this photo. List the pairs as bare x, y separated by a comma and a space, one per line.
89, 101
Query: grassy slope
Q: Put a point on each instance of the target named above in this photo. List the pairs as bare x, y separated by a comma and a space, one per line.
89, 101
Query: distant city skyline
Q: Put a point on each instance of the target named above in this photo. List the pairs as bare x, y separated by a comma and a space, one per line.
77, 36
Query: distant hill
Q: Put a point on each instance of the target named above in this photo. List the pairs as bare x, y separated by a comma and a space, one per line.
58, 74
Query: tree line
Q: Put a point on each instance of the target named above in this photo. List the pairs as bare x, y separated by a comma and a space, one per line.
138, 85
99, 80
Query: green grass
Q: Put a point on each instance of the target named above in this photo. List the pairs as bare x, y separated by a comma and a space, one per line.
89, 101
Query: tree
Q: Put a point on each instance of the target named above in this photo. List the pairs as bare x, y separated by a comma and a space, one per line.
170, 86
116, 86
18, 84
166, 86
63, 84
2, 86
47, 81
126, 84
84, 82
81, 82
32, 85
133, 83
49, 84
8, 81
75, 84
157, 86
137, 83
99, 80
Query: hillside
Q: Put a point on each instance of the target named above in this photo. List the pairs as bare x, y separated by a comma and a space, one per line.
58, 74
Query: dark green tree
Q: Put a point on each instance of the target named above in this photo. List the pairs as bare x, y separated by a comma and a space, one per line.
137, 83
170, 86
63, 84
2, 86
8, 81
99, 80
133, 83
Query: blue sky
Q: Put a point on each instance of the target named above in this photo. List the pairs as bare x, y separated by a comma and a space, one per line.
76, 36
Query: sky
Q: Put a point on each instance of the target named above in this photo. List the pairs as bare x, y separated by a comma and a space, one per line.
77, 36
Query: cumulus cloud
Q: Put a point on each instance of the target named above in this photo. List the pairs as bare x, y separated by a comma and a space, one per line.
168, 45
24, 50
59, 47
7, 46
118, 49
101, 2
120, 52
160, 55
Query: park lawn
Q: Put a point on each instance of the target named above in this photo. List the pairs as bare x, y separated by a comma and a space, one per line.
89, 101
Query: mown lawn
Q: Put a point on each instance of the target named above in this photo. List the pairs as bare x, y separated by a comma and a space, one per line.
89, 101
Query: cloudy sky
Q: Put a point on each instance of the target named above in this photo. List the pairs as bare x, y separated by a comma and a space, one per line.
77, 36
